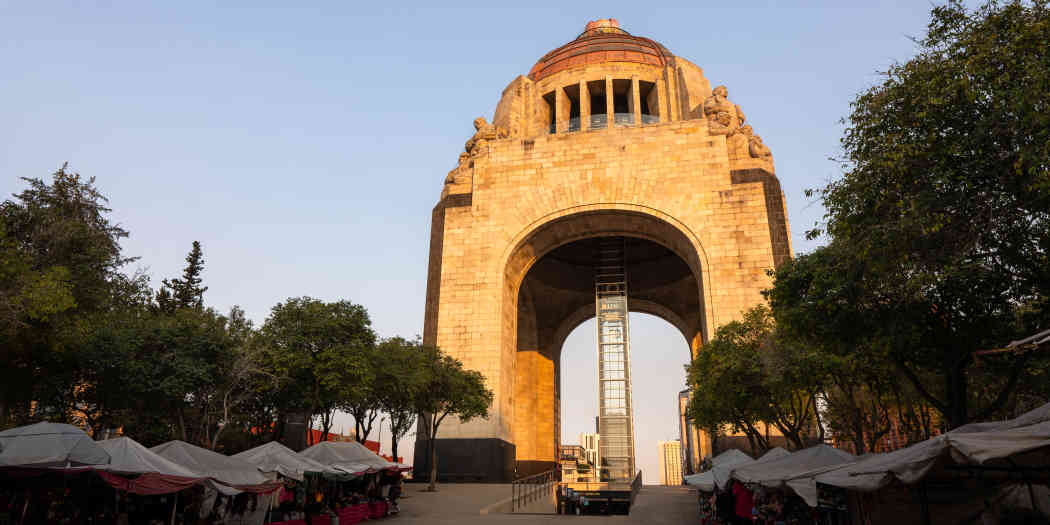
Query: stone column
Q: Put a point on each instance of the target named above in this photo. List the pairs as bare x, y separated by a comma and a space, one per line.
673, 102
662, 98
609, 109
585, 107
561, 110
636, 97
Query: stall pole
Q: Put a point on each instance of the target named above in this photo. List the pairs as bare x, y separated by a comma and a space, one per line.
269, 504
174, 504
1031, 495
925, 503
25, 506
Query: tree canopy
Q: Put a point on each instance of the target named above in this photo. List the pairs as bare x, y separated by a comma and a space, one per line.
937, 248
749, 376
943, 210
86, 342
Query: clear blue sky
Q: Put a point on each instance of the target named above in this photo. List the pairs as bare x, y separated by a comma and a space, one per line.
304, 147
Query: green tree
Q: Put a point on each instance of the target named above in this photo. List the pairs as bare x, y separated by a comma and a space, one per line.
319, 354
359, 395
180, 361
187, 292
821, 300
400, 380
727, 383
946, 196
749, 376
448, 390
61, 261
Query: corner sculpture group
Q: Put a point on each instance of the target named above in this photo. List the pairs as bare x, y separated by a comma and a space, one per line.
55, 473
981, 471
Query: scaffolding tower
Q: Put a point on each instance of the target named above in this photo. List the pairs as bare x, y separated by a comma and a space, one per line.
615, 416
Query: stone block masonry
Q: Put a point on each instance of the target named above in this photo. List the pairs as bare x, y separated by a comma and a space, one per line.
681, 173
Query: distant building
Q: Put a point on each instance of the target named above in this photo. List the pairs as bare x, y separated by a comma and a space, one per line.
589, 442
570, 452
692, 439
670, 462
570, 458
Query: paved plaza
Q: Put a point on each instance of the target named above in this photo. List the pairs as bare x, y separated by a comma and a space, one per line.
461, 504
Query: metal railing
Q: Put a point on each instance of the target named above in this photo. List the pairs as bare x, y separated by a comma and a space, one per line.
623, 119
636, 486
601, 121
528, 489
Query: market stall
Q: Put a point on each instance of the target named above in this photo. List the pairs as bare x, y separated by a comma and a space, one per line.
954, 476
274, 458
234, 489
45, 445
349, 456
705, 481
136, 469
774, 473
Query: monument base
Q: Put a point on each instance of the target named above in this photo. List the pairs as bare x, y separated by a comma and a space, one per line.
476, 460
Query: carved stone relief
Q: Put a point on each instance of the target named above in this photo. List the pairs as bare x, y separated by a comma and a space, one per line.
478, 143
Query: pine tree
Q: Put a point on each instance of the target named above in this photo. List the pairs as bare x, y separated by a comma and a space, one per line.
186, 292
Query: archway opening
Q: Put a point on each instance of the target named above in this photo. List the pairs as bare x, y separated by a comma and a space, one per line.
659, 355
556, 295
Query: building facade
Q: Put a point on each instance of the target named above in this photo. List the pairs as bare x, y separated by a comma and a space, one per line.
695, 444
608, 136
670, 462
589, 442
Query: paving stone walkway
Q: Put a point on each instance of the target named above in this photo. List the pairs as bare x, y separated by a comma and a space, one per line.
461, 504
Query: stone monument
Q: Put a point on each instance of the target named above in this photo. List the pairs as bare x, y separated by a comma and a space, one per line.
609, 136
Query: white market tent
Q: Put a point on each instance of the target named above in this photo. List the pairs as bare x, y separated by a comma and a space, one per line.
706, 480
234, 473
975, 444
275, 458
723, 466
773, 453
153, 473
44, 444
128, 456
774, 473
348, 456
722, 473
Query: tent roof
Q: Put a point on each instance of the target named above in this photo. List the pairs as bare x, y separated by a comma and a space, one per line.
349, 456
150, 473
730, 455
773, 453
275, 457
719, 474
981, 447
48, 444
234, 472
128, 456
970, 444
774, 472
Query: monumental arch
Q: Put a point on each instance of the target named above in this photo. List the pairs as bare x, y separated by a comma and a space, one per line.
607, 136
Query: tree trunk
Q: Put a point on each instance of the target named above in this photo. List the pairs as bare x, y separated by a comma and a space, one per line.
393, 447
859, 448
957, 402
182, 425
432, 452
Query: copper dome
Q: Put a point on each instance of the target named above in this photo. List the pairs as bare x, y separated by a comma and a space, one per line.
601, 41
